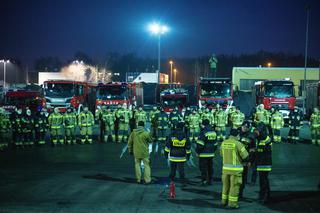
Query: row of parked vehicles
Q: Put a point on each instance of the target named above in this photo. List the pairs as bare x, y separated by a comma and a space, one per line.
209, 92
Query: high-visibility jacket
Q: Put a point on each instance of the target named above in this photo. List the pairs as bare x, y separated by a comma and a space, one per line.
263, 116
153, 117
141, 116
15, 119
208, 116
233, 154
27, 123
178, 148
206, 143
108, 118
194, 120
221, 119
237, 118
162, 120
264, 155
315, 120
5, 124
55, 120
175, 118
277, 121
70, 119
40, 123
86, 119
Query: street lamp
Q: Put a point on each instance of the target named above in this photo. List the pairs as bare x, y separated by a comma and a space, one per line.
4, 71
171, 63
158, 30
175, 75
269, 64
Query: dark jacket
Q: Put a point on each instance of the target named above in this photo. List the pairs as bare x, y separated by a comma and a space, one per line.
295, 119
264, 154
178, 147
206, 143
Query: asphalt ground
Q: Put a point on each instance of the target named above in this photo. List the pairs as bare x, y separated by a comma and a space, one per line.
95, 178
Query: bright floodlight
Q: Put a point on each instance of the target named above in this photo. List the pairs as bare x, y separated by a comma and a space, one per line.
156, 28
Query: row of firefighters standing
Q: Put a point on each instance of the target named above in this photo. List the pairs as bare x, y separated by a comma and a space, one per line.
28, 129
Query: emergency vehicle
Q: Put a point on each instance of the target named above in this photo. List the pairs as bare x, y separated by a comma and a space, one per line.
171, 98
275, 93
117, 93
213, 91
22, 99
313, 97
65, 93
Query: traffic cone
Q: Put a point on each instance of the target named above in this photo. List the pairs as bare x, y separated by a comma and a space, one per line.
172, 193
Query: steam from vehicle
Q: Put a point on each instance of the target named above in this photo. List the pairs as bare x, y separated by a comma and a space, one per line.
86, 73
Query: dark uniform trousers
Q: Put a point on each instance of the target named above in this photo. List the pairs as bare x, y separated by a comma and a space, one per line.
173, 169
206, 168
264, 185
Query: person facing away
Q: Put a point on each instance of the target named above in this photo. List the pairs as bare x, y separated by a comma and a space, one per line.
138, 146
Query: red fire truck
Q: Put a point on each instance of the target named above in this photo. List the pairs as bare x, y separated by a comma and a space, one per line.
213, 91
117, 93
275, 93
18, 98
65, 93
313, 97
171, 98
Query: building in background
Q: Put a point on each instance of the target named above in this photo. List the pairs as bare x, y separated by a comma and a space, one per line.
138, 77
243, 78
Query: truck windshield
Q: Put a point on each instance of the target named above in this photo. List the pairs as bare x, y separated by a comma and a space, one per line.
31, 102
59, 90
174, 101
278, 90
112, 93
215, 90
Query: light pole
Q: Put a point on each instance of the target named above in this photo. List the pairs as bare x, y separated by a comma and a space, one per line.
306, 60
269, 64
175, 75
158, 30
4, 71
171, 63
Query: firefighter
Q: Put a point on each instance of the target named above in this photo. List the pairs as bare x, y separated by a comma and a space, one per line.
185, 118
276, 124
207, 115
70, 123
98, 117
233, 154
86, 123
194, 121
315, 126
140, 115
264, 161
108, 120
237, 118
27, 128
162, 127
117, 121
40, 127
175, 118
56, 124
230, 111
261, 115
132, 120
154, 113
178, 150
221, 120
5, 127
206, 147
247, 138
295, 123
123, 115
16, 121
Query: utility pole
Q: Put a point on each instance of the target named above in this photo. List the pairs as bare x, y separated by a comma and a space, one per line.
306, 60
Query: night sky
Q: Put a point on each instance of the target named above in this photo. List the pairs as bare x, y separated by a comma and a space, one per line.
31, 29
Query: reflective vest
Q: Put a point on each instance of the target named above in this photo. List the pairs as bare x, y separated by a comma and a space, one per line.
108, 118
237, 118
162, 121
315, 120
277, 121
70, 120
221, 119
194, 120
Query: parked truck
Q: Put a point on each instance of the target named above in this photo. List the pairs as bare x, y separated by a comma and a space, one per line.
275, 93
213, 91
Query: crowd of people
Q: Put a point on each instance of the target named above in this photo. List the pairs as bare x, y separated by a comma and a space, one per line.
248, 145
